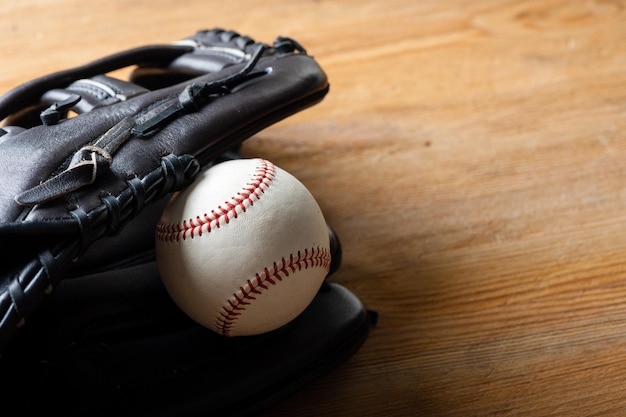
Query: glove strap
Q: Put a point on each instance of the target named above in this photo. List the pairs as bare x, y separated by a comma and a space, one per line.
85, 95
29, 93
195, 95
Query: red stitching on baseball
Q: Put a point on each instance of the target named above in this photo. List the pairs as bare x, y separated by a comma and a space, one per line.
173, 232
233, 307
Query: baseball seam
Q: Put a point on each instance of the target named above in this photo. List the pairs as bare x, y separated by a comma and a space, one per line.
190, 228
233, 308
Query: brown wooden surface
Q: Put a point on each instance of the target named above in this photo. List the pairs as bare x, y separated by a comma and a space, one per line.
471, 156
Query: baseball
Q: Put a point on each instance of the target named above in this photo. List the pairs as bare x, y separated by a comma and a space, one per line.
244, 249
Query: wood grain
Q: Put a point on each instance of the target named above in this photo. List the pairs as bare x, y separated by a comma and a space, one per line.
472, 158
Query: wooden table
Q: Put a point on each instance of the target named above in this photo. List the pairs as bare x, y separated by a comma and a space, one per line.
471, 156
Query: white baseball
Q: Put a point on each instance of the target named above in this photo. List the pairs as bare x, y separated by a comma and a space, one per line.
244, 249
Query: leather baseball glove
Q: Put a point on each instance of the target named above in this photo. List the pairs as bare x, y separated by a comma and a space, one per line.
87, 163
